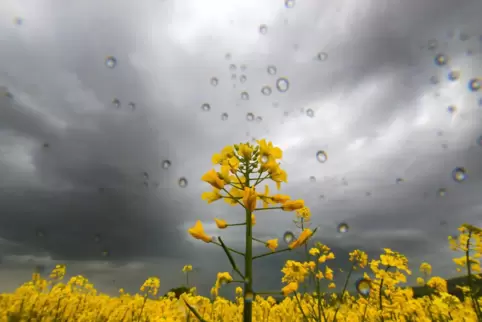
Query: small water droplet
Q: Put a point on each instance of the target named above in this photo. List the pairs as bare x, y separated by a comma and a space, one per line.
97, 238
242, 78
146, 175
224, 116
248, 297
243, 67
227, 56
434, 80
46, 145
266, 90
464, 36
182, 182
440, 60
288, 237
451, 109
132, 106
105, 253
232, 67
343, 228
166, 164
441, 192
399, 180
289, 4
275, 104
363, 286
264, 159
116, 102
322, 56
368, 193
453, 75
40, 233
244, 96
205, 107
233, 76
250, 117
459, 174
474, 84
259, 119
310, 112
263, 29
214, 81
111, 62
312, 179
321, 156
282, 84
272, 70
18, 21
432, 44
479, 140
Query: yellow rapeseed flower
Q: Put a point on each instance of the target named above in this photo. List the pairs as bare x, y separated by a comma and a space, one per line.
221, 223
198, 232
272, 244
290, 288
211, 196
304, 236
291, 205
250, 198
213, 179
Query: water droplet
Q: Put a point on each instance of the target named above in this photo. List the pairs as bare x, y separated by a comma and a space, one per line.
132, 106
227, 56
214, 81
479, 140
40, 233
244, 96
434, 80
111, 62
459, 174
250, 117
205, 107
474, 84
440, 60
312, 179
242, 78
224, 116
342, 228
18, 21
263, 29
288, 237
368, 193
214, 239
266, 90
233, 76
232, 67
97, 238
275, 104
442, 192
445, 145
166, 164
321, 156
443, 223
46, 145
464, 36
282, 84
454, 75
243, 68
399, 180
289, 3
146, 175
363, 286
272, 70
182, 182
432, 44
322, 56
310, 112
105, 253
259, 119
451, 109
264, 159
248, 297
116, 102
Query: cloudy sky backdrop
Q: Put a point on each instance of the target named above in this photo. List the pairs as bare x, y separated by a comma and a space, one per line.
73, 165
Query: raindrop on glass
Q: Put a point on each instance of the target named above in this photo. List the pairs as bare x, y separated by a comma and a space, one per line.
259, 119
479, 140
474, 84
266, 90
110, 61
459, 174
263, 29
432, 44
182, 182
242, 78
441, 192
399, 180
105, 253
132, 106
166, 164
321, 156
234, 76
275, 104
282, 84
264, 159
18, 21
146, 175
244, 96
322, 56
205, 107
464, 36
224, 116
440, 60
288, 237
289, 3
214, 81
312, 179
342, 228
250, 117
97, 238
363, 286
310, 112
272, 70
232, 67
434, 80
46, 145
227, 56
453, 75
451, 109
116, 102
243, 67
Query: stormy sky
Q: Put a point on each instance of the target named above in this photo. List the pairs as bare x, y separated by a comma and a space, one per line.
82, 180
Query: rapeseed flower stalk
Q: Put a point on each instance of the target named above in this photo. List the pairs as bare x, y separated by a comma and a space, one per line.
243, 167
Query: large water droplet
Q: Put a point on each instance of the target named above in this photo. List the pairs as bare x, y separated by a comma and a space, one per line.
244, 96
342, 228
205, 107
214, 81
288, 237
321, 156
242, 78
116, 102
459, 174
322, 56
111, 62
474, 84
263, 29
282, 84
453, 75
166, 164
266, 90
363, 286
310, 112
440, 60
272, 70
250, 117
224, 116
182, 182
289, 3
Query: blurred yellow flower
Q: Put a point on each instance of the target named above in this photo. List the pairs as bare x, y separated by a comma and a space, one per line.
290, 288
213, 179
272, 244
304, 236
198, 232
221, 223
249, 198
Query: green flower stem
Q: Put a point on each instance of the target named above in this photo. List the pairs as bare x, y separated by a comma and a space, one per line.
231, 260
257, 179
248, 259
234, 198
259, 209
299, 305
343, 291
235, 186
193, 310
230, 249
240, 224
239, 180
475, 301
272, 253
258, 240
